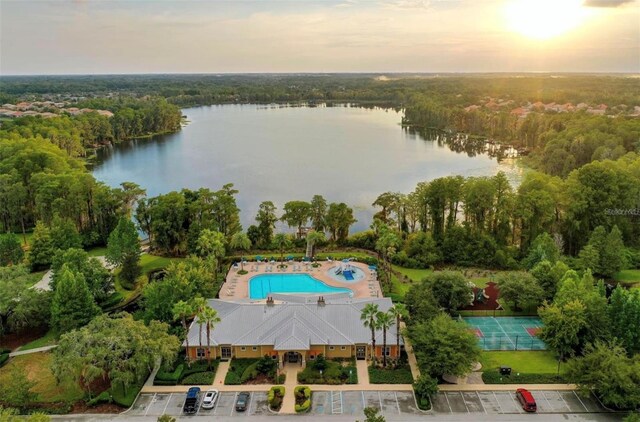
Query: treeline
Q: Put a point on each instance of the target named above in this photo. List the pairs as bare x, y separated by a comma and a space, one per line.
40, 182
558, 142
76, 134
393, 89
483, 221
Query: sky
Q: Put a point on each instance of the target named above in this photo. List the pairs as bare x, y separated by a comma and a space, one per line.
241, 36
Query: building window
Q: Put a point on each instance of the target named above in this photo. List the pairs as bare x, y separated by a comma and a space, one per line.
254, 348
332, 348
243, 349
343, 347
387, 351
200, 352
226, 352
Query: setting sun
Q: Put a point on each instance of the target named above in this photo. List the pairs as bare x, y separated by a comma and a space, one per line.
544, 19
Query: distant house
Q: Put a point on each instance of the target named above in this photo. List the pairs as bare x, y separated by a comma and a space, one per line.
297, 330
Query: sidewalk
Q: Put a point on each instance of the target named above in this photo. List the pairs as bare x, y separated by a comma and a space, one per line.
505, 387
411, 357
221, 373
266, 387
289, 401
36, 350
363, 373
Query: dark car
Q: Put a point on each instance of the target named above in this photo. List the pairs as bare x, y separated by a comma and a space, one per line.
242, 401
191, 402
526, 400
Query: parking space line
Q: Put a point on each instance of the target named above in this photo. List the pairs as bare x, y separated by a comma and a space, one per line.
464, 402
167, 405
363, 402
342, 403
233, 405
397, 403
150, 403
448, 404
380, 400
564, 401
481, 404
497, 401
518, 405
547, 400
580, 400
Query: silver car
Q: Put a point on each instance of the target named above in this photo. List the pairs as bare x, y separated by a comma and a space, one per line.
209, 399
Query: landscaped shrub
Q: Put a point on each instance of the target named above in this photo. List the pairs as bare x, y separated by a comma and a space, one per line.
491, 377
249, 373
275, 397
401, 375
3, 359
112, 300
303, 398
200, 378
281, 379
104, 397
424, 387
237, 369
333, 373
169, 378
122, 397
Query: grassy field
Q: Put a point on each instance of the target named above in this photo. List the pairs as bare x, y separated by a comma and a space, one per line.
413, 274
530, 362
153, 262
628, 276
37, 367
46, 340
97, 251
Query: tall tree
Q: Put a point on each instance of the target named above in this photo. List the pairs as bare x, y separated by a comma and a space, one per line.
281, 242
64, 234
521, 289
209, 317
181, 311
98, 278
313, 238
73, 305
450, 289
368, 316
11, 252
41, 250
210, 246
399, 312
296, 214
339, 219
123, 250
318, 213
384, 321
266, 219
562, 325
240, 241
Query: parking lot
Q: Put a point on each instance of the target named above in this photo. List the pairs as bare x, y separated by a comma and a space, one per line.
501, 402
390, 403
171, 404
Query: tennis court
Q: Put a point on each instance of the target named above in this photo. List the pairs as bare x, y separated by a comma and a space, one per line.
507, 333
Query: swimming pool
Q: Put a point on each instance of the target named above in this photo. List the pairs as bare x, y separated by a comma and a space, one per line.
262, 285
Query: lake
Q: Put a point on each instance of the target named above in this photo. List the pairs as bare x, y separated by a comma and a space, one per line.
279, 153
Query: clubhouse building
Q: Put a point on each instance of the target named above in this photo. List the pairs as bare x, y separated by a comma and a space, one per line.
292, 328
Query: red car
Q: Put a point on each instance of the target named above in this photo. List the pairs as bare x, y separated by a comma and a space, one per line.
526, 400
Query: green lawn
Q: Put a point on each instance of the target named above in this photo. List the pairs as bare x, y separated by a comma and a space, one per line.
28, 236
526, 362
37, 368
46, 340
153, 262
413, 274
628, 276
97, 251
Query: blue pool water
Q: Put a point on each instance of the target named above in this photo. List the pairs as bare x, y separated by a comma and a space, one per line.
262, 285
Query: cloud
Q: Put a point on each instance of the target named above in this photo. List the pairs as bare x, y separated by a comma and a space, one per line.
606, 3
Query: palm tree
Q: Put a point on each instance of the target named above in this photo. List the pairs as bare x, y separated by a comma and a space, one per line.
368, 316
210, 244
313, 237
209, 316
181, 311
384, 320
240, 241
282, 242
398, 311
198, 305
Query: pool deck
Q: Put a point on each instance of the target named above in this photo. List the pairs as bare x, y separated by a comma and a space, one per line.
236, 286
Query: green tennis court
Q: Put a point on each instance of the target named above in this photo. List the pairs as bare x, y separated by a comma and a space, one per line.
507, 333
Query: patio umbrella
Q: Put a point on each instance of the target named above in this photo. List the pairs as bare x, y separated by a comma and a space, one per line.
289, 257
373, 267
258, 258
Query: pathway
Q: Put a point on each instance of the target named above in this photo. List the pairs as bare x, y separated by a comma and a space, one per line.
221, 373
411, 357
363, 373
36, 350
45, 281
289, 402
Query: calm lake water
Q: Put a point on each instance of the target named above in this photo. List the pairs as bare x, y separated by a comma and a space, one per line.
347, 154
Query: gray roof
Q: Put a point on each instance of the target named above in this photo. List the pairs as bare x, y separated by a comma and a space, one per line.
292, 325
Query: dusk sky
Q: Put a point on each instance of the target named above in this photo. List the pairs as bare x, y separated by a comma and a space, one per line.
97, 37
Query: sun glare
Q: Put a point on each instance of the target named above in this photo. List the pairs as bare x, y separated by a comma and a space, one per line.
544, 19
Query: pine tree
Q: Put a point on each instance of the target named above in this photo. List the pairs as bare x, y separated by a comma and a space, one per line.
612, 256
72, 305
41, 250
